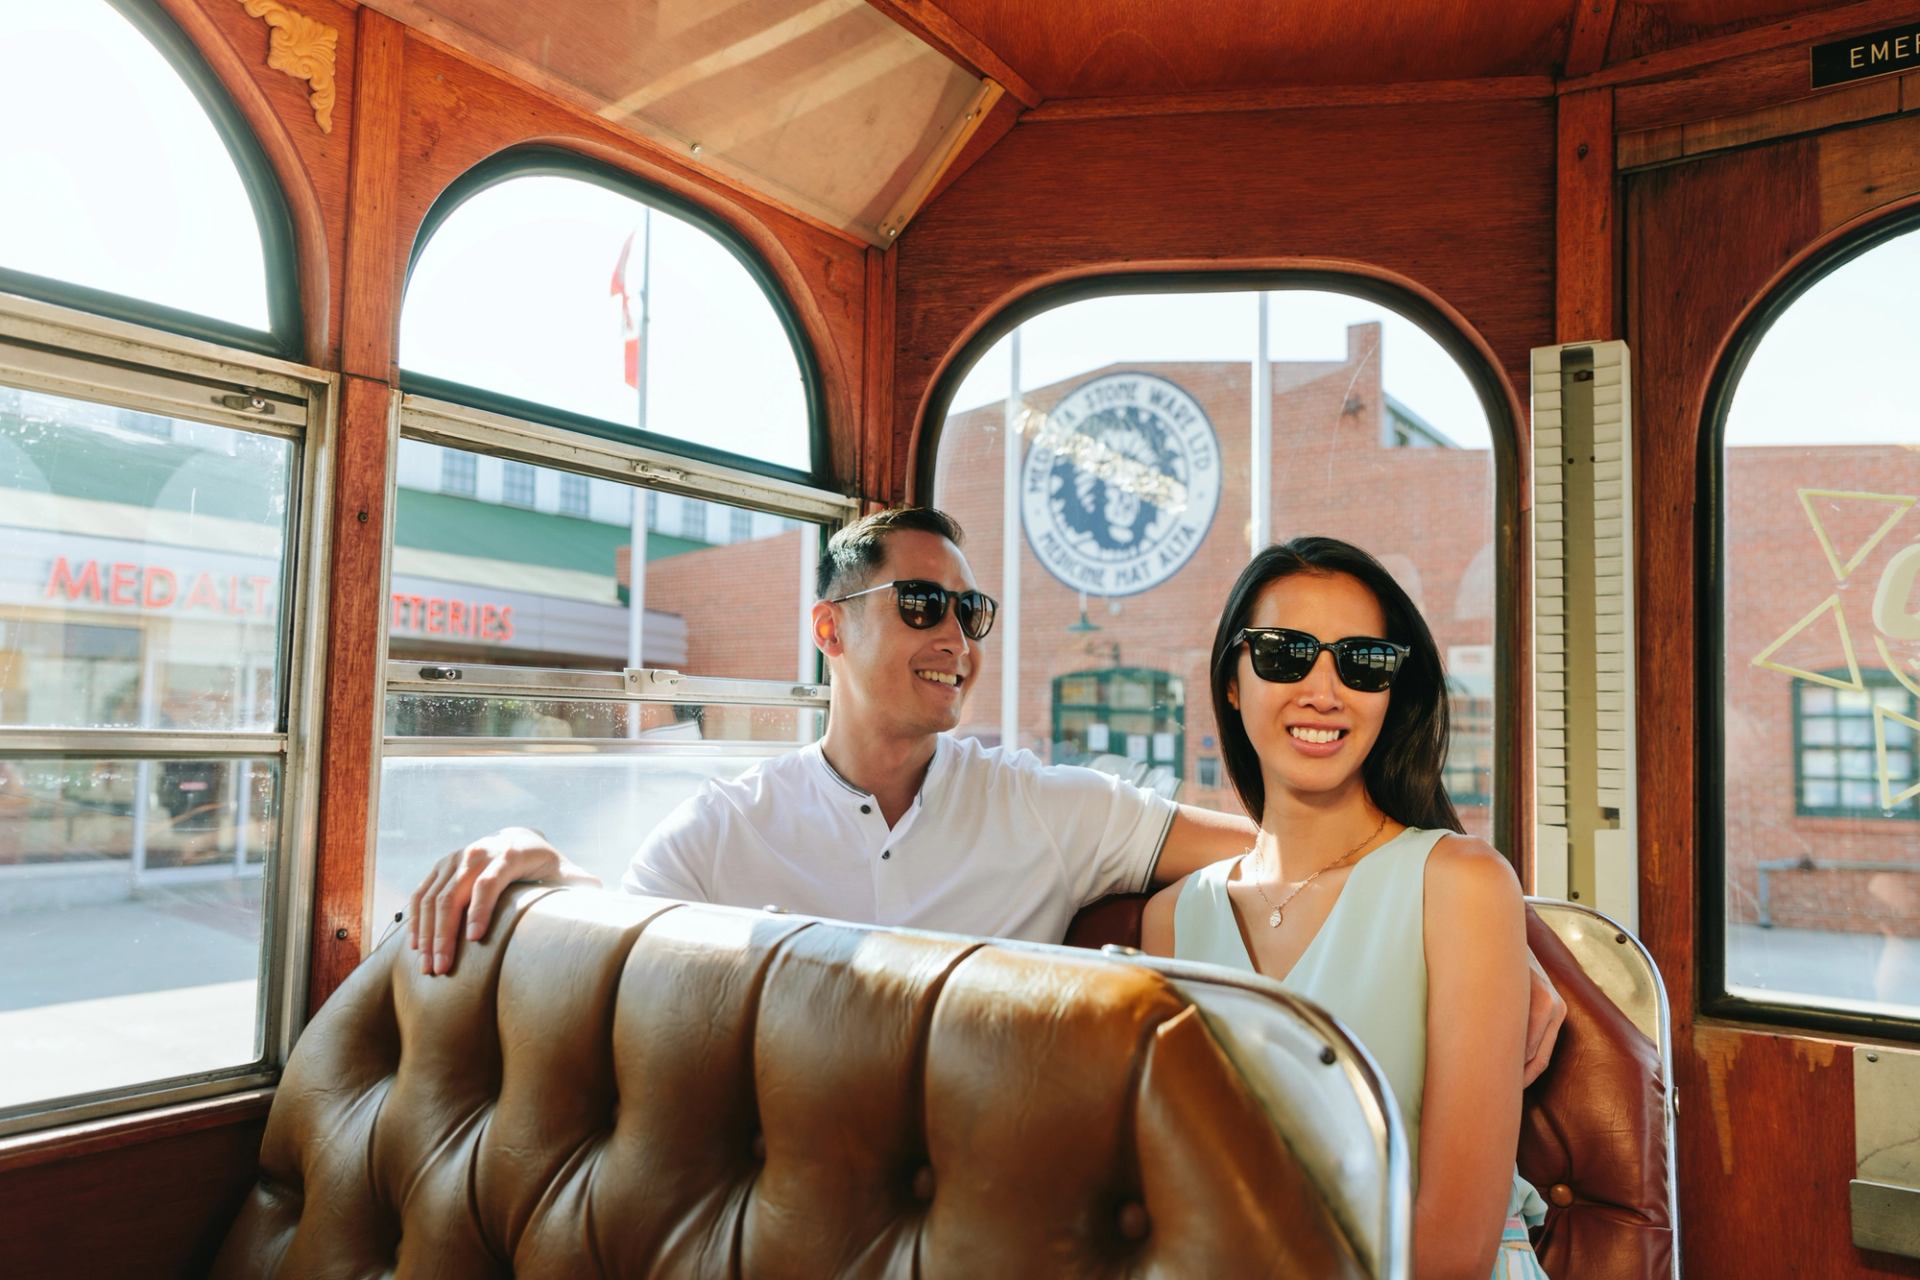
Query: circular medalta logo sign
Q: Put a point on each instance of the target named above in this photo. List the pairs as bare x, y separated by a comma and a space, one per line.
1120, 484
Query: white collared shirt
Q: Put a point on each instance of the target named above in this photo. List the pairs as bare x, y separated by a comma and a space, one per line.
996, 843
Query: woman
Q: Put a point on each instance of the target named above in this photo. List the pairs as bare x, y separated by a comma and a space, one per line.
1359, 892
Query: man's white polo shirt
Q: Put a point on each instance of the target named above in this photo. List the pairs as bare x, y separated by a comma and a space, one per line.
996, 843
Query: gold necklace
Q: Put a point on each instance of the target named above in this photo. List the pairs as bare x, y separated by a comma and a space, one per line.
1279, 908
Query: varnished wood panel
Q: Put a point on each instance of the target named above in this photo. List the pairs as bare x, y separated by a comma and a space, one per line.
1682, 63
354, 604
1766, 1121
374, 252
311, 165
1586, 229
1587, 42
1642, 27
935, 26
1852, 105
353, 703
1080, 48
877, 430
1467, 214
1293, 97
1766, 1136
1751, 83
154, 1205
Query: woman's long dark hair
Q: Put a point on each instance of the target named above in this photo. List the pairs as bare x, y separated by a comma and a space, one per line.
1403, 771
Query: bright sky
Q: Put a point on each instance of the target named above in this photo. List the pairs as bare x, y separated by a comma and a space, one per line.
1832, 369
513, 292
114, 176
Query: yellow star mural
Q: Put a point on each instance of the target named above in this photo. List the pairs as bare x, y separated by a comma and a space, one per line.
1900, 504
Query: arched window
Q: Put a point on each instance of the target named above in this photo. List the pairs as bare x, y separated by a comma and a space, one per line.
156, 540
607, 493
1813, 650
547, 288
132, 188
1100, 441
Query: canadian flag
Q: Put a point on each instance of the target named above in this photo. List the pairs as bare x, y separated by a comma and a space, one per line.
629, 331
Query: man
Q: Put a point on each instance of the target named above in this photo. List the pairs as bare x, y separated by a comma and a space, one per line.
889, 818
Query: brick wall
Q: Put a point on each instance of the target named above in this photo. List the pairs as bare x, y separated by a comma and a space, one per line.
742, 605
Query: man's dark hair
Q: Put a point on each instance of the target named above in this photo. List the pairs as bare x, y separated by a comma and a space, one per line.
856, 551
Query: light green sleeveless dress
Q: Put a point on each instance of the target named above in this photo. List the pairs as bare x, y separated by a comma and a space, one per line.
1368, 967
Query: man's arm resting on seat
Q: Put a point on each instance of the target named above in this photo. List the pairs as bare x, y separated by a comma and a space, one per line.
1197, 837
467, 883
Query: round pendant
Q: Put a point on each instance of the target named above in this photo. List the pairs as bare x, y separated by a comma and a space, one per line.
1273, 921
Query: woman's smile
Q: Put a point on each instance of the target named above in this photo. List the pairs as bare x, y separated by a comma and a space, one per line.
1316, 741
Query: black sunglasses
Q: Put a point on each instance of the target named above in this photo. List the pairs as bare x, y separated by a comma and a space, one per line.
922, 604
1284, 656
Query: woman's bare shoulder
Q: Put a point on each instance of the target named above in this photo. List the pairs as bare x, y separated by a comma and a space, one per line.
1466, 871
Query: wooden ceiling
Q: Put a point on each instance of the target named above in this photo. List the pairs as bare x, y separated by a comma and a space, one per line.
1051, 49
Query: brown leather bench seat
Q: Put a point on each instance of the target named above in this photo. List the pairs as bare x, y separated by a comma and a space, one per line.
630, 1087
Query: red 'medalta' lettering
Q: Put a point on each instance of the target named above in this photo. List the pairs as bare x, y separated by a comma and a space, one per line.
202, 594
64, 579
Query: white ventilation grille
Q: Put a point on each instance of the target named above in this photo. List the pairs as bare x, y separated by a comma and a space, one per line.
1583, 627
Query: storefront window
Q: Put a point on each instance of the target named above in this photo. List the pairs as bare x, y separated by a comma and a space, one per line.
1819, 662
1126, 720
528, 584
1125, 484
144, 579
141, 581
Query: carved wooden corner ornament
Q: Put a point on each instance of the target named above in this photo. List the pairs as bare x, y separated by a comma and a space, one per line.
304, 49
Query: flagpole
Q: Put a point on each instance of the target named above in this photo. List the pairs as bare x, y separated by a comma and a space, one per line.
637, 519
1262, 462
1010, 554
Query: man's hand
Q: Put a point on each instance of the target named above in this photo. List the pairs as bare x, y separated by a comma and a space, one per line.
468, 882
1545, 1012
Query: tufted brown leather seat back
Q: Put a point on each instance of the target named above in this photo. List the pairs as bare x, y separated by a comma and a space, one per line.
611, 1087
1594, 1136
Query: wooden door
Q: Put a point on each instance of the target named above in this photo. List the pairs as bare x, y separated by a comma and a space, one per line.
1766, 1113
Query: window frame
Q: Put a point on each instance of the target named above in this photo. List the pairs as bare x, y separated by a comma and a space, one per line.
554, 162
1512, 629
1156, 681
284, 336
1710, 602
60, 351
